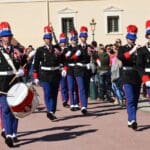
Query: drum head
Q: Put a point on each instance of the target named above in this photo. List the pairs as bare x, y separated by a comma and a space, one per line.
17, 94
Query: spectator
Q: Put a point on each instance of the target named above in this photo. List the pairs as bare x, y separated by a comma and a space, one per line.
116, 65
118, 42
103, 74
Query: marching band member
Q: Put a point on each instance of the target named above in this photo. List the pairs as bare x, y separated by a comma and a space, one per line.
130, 78
143, 60
10, 63
82, 73
63, 81
71, 64
47, 70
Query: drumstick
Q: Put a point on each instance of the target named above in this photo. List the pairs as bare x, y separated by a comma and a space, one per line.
13, 79
1, 92
4, 93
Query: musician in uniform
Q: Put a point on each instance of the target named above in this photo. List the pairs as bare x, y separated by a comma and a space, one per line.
82, 69
10, 66
143, 60
47, 70
71, 64
130, 78
63, 81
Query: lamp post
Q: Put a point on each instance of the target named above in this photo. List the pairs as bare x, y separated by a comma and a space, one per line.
93, 24
48, 15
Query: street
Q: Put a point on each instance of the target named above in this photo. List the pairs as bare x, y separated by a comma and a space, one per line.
104, 128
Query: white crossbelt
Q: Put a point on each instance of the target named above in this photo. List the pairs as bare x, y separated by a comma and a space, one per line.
50, 68
127, 68
147, 69
82, 65
6, 73
71, 65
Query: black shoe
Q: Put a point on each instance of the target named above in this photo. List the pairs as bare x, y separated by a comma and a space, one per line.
66, 105
133, 125
101, 98
51, 116
3, 134
73, 109
84, 111
77, 108
15, 139
109, 99
9, 141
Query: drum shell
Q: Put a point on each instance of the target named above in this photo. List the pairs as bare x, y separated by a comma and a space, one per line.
27, 101
35, 103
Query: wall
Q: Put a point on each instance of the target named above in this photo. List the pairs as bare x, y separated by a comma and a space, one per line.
27, 19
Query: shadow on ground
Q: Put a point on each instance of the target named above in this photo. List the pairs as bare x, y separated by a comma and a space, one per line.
66, 135
143, 127
65, 128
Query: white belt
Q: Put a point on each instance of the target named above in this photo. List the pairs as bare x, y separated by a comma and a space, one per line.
127, 68
50, 68
6, 73
147, 69
71, 65
82, 65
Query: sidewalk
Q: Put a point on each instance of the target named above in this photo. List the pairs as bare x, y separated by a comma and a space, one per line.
144, 105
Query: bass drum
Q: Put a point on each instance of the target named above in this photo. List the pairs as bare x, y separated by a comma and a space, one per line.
22, 100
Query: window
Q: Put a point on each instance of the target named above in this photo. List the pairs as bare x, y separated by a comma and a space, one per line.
113, 20
112, 24
67, 20
67, 24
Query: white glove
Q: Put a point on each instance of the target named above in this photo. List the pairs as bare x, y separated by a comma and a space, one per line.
36, 81
88, 66
78, 53
20, 73
68, 54
64, 73
147, 83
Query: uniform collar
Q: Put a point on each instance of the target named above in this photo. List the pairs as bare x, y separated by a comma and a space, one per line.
129, 45
63, 48
8, 49
48, 47
83, 44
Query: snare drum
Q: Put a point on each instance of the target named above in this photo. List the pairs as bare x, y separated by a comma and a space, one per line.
22, 100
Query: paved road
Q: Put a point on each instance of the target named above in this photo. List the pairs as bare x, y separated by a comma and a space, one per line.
104, 129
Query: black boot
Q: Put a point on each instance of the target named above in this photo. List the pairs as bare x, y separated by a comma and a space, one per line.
66, 105
51, 116
9, 141
84, 111
15, 139
133, 125
3, 134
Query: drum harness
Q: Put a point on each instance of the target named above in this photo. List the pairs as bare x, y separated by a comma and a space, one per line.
9, 60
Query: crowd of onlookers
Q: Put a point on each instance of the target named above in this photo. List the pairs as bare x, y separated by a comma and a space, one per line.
107, 80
